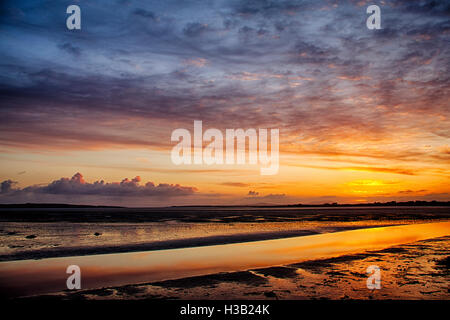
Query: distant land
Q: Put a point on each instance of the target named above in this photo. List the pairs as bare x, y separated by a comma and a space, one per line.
335, 204
51, 205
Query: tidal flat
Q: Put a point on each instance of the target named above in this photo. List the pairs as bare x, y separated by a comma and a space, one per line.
220, 253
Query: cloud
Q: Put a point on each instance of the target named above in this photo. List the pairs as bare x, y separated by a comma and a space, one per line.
6, 186
235, 184
411, 191
71, 49
195, 29
77, 186
272, 196
371, 183
133, 91
145, 13
402, 171
444, 150
429, 7
198, 62
270, 8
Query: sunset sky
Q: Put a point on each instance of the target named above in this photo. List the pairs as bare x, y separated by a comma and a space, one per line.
363, 114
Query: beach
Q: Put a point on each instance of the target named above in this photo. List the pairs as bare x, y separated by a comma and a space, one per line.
226, 253
416, 271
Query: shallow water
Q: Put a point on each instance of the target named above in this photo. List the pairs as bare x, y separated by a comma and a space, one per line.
18, 278
64, 235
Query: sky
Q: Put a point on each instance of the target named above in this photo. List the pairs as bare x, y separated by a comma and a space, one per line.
86, 115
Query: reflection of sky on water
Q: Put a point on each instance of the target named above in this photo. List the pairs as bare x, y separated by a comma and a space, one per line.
48, 275
70, 235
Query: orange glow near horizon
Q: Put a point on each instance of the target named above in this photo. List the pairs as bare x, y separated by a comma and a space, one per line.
300, 178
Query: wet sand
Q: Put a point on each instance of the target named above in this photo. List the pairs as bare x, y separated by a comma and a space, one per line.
37, 233
418, 270
40, 241
30, 277
129, 253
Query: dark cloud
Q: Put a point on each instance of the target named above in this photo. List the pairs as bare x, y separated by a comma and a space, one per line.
429, 7
268, 8
246, 30
6, 186
69, 48
195, 29
145, 13
253, 193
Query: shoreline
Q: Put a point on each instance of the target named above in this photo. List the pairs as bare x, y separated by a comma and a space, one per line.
171, 244
31, 277
341, 277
